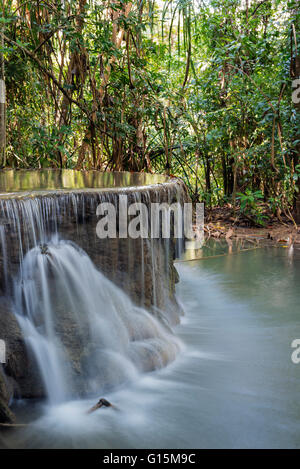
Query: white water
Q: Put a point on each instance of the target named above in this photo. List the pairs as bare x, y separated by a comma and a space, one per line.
4, 254
86, 334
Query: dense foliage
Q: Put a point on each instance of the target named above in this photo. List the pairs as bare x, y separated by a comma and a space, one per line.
199, 89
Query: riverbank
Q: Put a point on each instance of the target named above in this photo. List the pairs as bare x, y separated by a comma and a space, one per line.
220, 224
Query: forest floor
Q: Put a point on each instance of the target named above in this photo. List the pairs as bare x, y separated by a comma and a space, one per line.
221, 223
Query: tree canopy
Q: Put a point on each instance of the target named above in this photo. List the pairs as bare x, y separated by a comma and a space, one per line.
197, 89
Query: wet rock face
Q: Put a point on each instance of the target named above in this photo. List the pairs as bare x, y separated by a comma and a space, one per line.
20, 376
143, 268
6, 415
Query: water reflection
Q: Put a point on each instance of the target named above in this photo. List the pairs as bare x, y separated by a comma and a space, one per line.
214, 248
55, 179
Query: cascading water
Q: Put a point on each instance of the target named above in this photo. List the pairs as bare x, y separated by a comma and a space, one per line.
93, 318
86, 334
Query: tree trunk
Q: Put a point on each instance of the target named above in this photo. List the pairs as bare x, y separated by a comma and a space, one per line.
295, 76
2, 107
296, 152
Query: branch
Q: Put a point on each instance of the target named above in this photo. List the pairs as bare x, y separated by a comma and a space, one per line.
187, 69
253, 82
46, 72
258, 6
53, 32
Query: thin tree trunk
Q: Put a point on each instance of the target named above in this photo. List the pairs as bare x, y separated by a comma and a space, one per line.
2, 106
295, 74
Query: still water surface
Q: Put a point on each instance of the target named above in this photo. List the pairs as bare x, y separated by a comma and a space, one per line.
25, 180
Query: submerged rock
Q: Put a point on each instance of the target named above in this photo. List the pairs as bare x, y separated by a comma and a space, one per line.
44, 249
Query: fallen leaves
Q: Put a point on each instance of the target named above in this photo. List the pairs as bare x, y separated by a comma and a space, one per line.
215, 230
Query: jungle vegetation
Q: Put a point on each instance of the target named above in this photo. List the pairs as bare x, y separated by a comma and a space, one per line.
200, 89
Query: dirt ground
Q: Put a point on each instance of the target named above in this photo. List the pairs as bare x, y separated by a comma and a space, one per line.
219, 223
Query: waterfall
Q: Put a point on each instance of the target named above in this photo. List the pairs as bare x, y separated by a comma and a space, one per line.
94, 313
85, 332
4, 255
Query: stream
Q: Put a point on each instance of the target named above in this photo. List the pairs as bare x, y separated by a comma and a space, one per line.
232, 385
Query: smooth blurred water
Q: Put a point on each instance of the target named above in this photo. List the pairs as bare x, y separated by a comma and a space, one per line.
233, 385
85, 332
